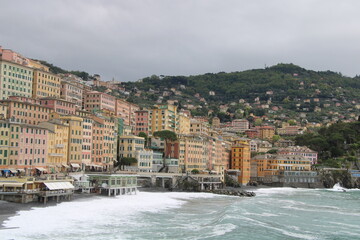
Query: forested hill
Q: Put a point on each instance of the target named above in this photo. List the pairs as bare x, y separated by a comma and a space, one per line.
286, 85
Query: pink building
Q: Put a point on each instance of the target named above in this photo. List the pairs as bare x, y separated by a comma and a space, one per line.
141, 122
127, 111
11, 56
27, 147
99, 101
59, 106
72, 92
26, 110
87, 140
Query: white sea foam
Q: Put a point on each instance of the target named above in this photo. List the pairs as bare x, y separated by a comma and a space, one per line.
282, 190
92, 216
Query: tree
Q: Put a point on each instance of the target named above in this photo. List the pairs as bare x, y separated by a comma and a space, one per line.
195, 171
125, 161
145, 136
167, 136
275, 138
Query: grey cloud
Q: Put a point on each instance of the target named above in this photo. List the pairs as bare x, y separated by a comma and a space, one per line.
130, 39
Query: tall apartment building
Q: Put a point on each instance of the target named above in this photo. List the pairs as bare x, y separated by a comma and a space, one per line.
72, 92
184, 123
16, 76
22, 146
26, 110
240, 160
163, 117
45, 83
129, 145
193, 153
127, 111
141, 122
104, 141
87, 125
57, 146
199, 127
74, 140
96, 101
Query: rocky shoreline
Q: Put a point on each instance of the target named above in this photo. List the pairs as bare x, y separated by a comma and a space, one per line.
230, 192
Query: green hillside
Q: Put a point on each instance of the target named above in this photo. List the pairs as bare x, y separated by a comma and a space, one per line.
286, 85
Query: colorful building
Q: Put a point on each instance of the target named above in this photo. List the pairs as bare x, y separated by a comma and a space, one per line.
306, 152
58, 105
45, 84
129, 145
57, 146
74, 140
104, 141
26, 110
240, 160
72, 92
23, 146
127, 111
163, 117
199, 127
184, 123
15, 80
141, 122
96, 101
266, 132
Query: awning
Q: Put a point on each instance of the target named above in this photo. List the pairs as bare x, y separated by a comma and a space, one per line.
75, 165
21, 170
5, 170
41, 169
64, 165
94, 165
58, 185
12, 184
13, 171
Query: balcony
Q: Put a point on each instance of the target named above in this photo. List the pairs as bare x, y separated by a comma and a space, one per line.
59, 146
56, 154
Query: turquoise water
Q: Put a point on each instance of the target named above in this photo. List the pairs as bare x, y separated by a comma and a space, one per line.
275, 213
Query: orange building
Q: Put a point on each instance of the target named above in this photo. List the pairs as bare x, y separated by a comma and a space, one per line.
240, 160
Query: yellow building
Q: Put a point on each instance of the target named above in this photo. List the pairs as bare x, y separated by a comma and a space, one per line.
37, 65
75, 138
199, 127
240, 160
4, 144
163, 117
45, 84
184, 123
267, 132
3, 110
193, 153
58, 140
129, 145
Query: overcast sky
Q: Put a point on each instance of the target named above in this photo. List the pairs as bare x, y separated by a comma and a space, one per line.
132, 39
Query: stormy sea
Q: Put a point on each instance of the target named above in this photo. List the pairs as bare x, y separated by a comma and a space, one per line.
275, 213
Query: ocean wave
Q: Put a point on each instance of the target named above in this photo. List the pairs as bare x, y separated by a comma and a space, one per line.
92, 216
